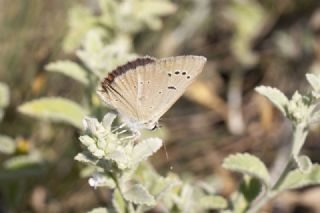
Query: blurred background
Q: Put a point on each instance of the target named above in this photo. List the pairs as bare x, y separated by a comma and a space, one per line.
247, 43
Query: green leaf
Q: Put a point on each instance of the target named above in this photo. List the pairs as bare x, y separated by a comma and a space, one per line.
70, 69
146, 148
22, 161
80, 21
7, 145
118, 203
247, 164
4, 95
314, 81
297, 179
138, 194
99, 210
213, 202
250, 188
275, 96
55, 109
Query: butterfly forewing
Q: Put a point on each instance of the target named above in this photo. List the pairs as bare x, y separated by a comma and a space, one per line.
179, 73
144, 93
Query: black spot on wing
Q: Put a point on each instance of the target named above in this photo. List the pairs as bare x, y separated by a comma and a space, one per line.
172, 87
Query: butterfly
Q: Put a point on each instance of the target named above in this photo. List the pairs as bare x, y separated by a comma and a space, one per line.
142, 90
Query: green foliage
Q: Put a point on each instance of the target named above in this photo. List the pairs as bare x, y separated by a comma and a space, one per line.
300, 111
248, 191
297, 179
116, 17
118, 202
105, 147
213, 202
247, 164
55, 109
4, 98
120, 164
70, 69
102, 38
137, 194
99, 210
275, 96
21, 161
248, 17
304, 163
314, 82
7, 145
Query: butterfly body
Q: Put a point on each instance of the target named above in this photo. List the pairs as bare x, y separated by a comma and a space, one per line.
144, 89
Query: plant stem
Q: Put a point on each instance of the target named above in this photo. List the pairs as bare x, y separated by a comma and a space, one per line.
299, 137
115, 178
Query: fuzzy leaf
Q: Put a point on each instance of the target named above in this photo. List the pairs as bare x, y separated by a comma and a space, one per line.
99, 210
314, 81
139, 195
22, 161
315, 117
304, 163
275, 96
55, 109
4, 95
145, 149
107, 120
100, 180
7, 145
118, 203
297, 179
85, 157
70, 69
247, 164
213, 202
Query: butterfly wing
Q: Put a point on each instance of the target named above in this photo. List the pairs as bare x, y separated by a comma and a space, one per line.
143, 93
168, 81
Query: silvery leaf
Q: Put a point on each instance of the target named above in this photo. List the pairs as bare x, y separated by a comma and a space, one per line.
4, 95
120, 157
92, 125
99, 210
138, 194
7, 145
304, 163
275, 96
85, 157
146, 148
314, 81
297, 179
247, 164
107, 120
70, 69
213, 202
22, 161
99, 180
55, 109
